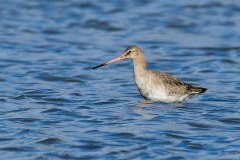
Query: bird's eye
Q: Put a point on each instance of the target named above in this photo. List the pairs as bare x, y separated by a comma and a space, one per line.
128, 52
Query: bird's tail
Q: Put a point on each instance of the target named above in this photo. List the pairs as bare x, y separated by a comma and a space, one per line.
196, 90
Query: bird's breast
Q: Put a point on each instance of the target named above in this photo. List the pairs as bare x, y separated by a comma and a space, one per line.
149, 89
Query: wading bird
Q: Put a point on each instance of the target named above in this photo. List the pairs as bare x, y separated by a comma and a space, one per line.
154, 85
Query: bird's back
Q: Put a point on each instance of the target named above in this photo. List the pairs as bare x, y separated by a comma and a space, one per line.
170, 88
175, 86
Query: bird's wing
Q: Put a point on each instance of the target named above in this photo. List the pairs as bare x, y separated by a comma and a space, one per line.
173, 85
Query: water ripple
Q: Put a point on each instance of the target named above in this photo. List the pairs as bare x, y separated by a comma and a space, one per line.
54, 106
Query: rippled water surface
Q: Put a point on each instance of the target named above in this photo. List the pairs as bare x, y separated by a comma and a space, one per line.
53, 106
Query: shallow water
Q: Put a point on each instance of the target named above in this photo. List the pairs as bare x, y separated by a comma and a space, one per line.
53, 106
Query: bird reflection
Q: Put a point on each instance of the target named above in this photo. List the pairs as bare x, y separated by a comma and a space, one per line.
147, 109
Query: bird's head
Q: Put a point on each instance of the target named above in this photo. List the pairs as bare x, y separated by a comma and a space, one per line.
132, 52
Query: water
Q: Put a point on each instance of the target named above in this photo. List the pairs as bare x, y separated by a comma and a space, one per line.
53, 106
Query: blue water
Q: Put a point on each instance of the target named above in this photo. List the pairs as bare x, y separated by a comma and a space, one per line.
54, 106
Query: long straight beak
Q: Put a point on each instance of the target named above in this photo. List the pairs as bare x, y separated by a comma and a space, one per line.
110, 62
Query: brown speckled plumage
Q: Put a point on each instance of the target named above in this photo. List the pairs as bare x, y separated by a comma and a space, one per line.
172, 84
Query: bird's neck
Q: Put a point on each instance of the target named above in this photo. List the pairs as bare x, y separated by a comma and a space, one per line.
140, 65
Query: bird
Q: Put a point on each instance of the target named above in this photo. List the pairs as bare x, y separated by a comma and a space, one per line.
154, 85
